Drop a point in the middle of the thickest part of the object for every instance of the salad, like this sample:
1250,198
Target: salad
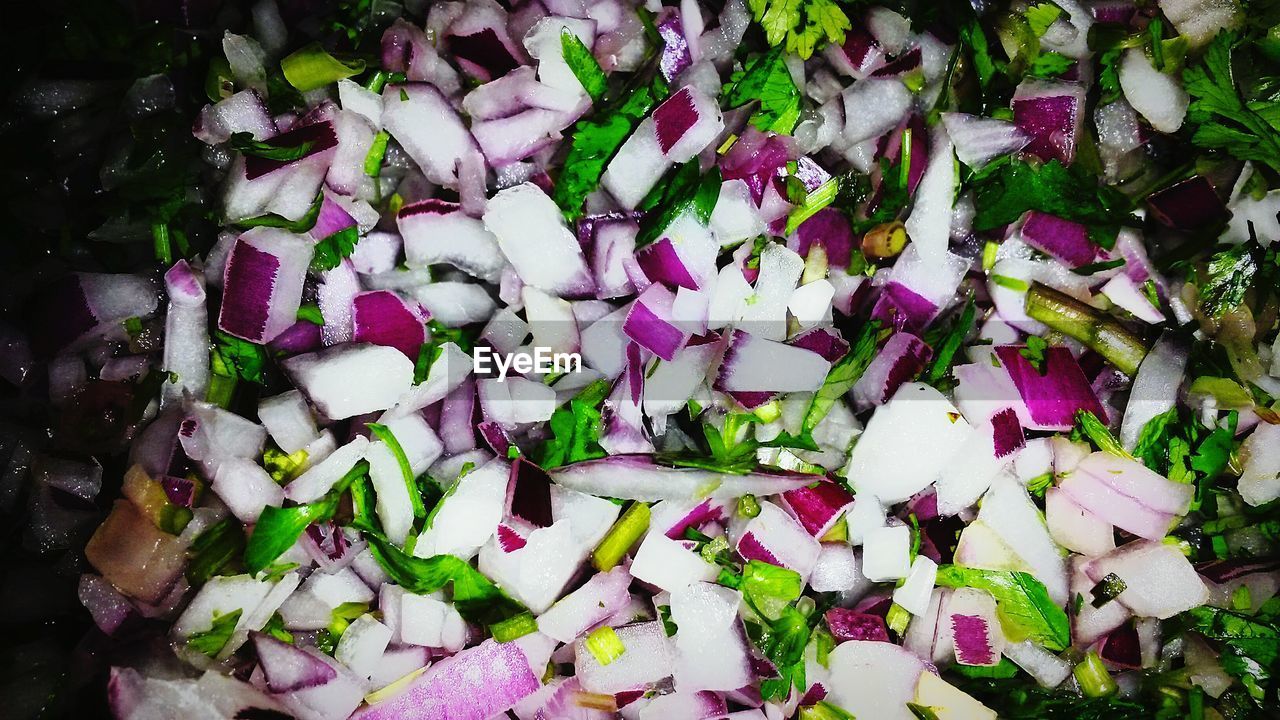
571,360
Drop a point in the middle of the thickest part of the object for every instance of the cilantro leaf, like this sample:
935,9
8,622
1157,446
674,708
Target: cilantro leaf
1252,647
246,145
843,375
783,642
945,350
1041,16
213,549
769,589
477,599
1005,190
767,80
1050,64
687,191
239,359
1034,351
803,25
596,140
279,528
1224,120
211,641
1228,275
576,428
583,65
1026,612
331,251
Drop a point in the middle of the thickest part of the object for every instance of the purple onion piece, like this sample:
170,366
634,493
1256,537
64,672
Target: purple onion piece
382,317
750,548
662,263
673,118
675,47
1190,204
180,491
1121,647
1055,395
1065,240
846,624
823,341
1221,571
901,65
902,308
829,228
818,507
482,54
1007,431
972,639
1052,121
529,493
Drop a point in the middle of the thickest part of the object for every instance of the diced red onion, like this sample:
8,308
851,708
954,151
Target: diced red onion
1051,113
1054,396
899,361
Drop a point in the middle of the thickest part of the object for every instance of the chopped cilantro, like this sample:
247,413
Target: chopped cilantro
1026,612
767,80
1007,189
211,641
583,64
1222,117
331,251
1041,16
213,549
1227,277
1034,351
576,428
475,596
246,145
595,140
803,25
687,191
279,528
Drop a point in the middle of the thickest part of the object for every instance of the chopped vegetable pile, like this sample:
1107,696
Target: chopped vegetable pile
756,359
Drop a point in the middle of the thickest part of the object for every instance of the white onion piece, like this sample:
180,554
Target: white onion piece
1158,97
1260,479
532,234
1200,20
186,333
469,516
351,379
873,679
1155,388
711,653
262,284
1159,580
907,444
424,123
648,659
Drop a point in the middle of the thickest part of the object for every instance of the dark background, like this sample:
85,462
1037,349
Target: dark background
92,164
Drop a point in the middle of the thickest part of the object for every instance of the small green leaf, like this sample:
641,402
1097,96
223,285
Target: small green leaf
583,64
1022,603
331,251
311,68
767,80
211,641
